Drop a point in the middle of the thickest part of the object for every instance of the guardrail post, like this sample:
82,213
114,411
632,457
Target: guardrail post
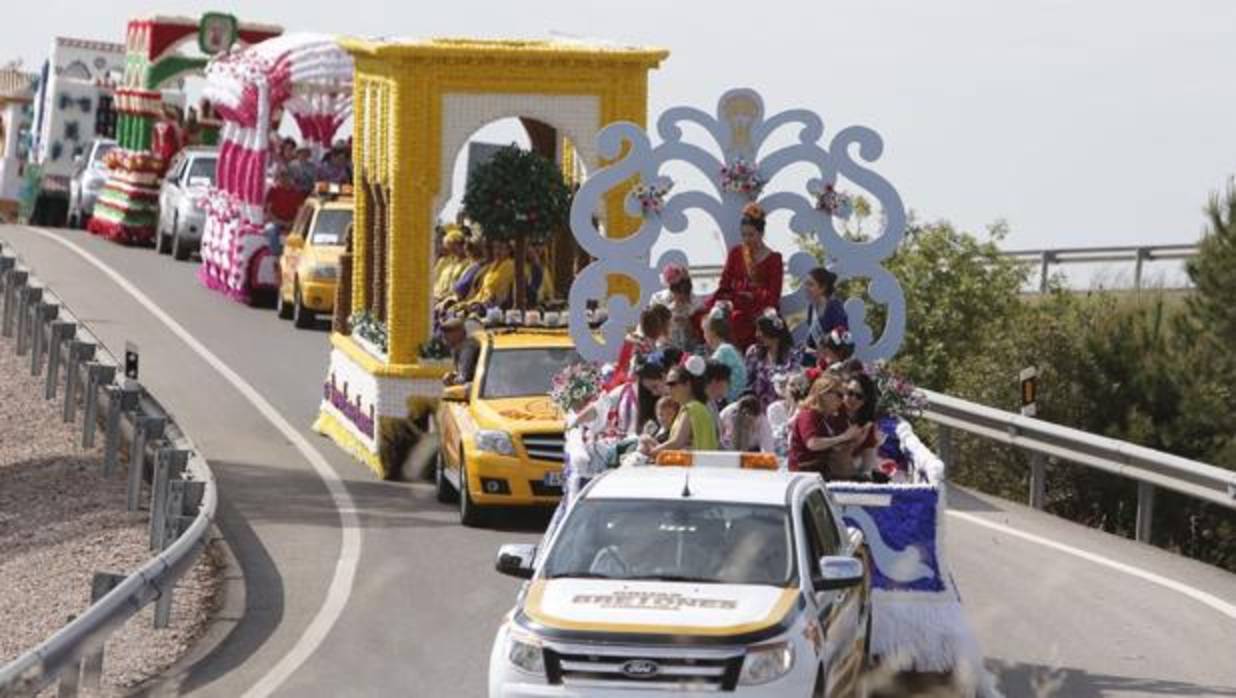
97,376
944,445
1145,511
45,312
183,497
61,332
1038,480
16,278
144,429
120,399
79,351
28,297
169,464
1045,269
69,677
92,665
1142,254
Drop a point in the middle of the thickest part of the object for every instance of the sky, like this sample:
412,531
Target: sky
1080,123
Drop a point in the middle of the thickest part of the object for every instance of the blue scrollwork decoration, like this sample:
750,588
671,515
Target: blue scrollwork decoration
740,131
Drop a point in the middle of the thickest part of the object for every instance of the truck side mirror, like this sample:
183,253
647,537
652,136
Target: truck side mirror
838,572
515,560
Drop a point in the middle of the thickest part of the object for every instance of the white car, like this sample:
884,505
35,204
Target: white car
89,176
661,579
182,197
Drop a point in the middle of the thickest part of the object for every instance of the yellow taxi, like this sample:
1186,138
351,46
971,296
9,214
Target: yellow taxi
309,265
501,436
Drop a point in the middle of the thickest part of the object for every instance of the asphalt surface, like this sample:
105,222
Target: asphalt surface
425,602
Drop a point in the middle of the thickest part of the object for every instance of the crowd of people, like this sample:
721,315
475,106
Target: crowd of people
292,175
725,372
473,274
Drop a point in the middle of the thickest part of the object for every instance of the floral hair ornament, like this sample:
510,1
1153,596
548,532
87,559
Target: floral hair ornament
772,316
753,211
722,309
673,274
841,337
695,365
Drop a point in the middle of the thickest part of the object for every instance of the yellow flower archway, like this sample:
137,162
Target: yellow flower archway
416,104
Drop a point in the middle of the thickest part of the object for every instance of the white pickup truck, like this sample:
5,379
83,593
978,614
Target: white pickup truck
738,580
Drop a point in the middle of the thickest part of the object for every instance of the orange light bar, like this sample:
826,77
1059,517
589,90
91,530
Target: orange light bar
682,459
758,461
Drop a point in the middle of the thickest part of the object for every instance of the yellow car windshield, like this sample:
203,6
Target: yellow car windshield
524,372
330,227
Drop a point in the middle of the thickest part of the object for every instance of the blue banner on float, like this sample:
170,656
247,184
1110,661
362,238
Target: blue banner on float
901,526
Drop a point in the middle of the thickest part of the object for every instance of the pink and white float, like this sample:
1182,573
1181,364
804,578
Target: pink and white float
307,76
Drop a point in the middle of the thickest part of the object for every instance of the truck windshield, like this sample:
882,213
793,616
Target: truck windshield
524,372
330,225
675,540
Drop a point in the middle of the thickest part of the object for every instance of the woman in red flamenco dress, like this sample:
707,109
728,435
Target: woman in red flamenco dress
751,280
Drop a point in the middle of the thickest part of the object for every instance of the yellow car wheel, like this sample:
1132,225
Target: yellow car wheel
282,307
443,490
302,317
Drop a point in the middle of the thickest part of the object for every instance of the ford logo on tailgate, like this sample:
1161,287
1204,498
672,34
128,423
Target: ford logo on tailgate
641,669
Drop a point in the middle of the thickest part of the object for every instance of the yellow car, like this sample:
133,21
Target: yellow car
309,265
501,436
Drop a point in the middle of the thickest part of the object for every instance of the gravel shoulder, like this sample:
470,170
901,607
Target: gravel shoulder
60,522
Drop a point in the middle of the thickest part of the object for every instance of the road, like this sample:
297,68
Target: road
418,617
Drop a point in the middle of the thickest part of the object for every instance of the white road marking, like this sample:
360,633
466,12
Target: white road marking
350,546
1198,595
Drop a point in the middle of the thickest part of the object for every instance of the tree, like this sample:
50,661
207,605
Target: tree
518,196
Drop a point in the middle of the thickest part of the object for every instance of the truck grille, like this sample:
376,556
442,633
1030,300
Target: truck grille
676,669
546,447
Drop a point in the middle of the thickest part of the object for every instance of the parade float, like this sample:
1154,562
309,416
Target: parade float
417,104
155,59
74,105
306,76
919,624
16,94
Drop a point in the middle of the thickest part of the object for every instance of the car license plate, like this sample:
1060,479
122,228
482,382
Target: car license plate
553,479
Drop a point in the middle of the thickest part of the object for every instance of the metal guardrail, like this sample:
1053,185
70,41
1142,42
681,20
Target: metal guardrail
707,274
1138,254
1150,468
183,497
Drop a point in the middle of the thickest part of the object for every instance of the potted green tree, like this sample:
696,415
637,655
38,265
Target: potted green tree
520,197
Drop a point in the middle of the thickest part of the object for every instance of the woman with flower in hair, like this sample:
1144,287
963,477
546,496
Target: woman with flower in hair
685,308
751,280
772,353
695,427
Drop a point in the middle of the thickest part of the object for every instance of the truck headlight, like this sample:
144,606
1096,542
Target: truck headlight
495,442
524,653
765,663
323,272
